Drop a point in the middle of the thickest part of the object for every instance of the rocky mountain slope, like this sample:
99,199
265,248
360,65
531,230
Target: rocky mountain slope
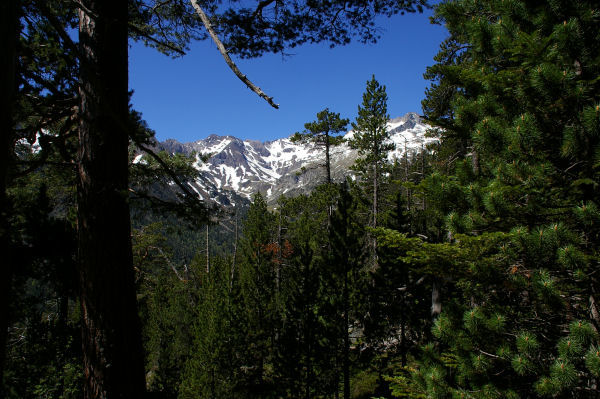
239,168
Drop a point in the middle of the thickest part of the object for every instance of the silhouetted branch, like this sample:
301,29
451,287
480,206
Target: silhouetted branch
228,59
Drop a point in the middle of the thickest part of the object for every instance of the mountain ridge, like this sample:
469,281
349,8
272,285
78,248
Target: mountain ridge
239,168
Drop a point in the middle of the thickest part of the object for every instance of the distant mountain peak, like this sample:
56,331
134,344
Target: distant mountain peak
240,168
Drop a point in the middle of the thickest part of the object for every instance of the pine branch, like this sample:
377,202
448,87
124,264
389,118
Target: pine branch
188,194
156,41
58,27
166,258
228,60
260,7
159,5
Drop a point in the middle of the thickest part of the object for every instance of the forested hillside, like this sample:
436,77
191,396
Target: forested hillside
466,270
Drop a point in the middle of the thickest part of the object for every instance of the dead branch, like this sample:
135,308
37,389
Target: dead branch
228,60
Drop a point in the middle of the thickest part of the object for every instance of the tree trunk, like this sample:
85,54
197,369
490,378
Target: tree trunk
375,209
423,172
207,253
346,364
111,334
436,301
475,162
375,186
408,192
594,313
279,257
233,263
307,293
327,160
9,34
403,335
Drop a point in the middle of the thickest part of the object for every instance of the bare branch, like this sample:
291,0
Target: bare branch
489,354
166,258
154,40
228,60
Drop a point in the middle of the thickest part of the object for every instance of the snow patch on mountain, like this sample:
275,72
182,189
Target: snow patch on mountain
243,167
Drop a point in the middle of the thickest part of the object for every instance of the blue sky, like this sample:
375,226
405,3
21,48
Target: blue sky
197,95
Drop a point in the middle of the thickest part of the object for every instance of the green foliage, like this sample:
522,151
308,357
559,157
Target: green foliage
512,104
592,361
43,356
369,131
323,133
252,31
212,367
165,300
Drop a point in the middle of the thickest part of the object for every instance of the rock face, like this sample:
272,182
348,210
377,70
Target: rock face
238,168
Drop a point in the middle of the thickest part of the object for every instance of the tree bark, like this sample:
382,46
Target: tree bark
408,192
475,162
233,263
207,252
346,364
327,160
111,334
594,313
375,186
346,356
436,300
9,34
375,209
308,335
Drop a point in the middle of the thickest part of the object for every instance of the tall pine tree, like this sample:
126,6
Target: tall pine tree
371,139
515,94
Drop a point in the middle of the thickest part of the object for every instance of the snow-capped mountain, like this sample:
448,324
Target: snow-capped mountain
240,168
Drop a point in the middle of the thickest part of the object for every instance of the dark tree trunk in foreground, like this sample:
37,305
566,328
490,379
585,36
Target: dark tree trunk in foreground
112,349
9,25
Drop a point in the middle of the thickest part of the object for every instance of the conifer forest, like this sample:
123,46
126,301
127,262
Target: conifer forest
470,269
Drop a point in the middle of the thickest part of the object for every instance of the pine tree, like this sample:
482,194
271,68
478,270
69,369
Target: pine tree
393,302
347,258
33,68
323,132
213,365
308,348
259,295
9,20
515,92
370,137
43,312
300,346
